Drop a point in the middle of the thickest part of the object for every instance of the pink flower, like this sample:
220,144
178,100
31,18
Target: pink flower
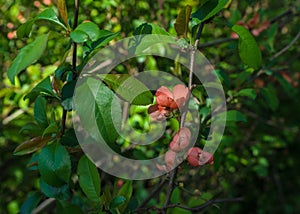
168,101
198,157
170,158
175,100
181,140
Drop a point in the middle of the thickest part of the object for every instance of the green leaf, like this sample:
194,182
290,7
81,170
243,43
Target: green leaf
182,21
59,192
27,56
148,28
126,191
31,146
270,98
232,116
84,32
69,138
247,92
67,95
175,198
117,201
94,99
25,29
248,49
129,88
89,179
55,165
47,15
235,116
67,207
42,88
105,36
40,111
51,129
31,128
32,200
209,9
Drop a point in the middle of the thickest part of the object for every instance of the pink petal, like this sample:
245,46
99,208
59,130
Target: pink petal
180,91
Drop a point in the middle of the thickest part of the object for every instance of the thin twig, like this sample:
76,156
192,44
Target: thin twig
215,42
48,202
286,48
153,193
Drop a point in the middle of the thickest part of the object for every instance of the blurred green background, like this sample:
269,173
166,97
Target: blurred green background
257,159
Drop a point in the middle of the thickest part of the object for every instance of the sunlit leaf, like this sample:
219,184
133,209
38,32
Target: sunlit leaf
248,49
85,31
209,9
129,88
27,56
47,15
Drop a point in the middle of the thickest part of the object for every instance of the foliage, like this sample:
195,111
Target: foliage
253,46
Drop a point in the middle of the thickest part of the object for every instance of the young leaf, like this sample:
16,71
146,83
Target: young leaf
62,8
126,191
55,165
182,21
129,88
248,49
32,200
89,179
27,55
209,9
40,113
31,145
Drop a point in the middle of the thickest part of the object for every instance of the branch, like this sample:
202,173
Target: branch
193,209
74,72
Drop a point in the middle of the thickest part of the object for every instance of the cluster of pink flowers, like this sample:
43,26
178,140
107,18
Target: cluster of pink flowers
167,102
254,25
